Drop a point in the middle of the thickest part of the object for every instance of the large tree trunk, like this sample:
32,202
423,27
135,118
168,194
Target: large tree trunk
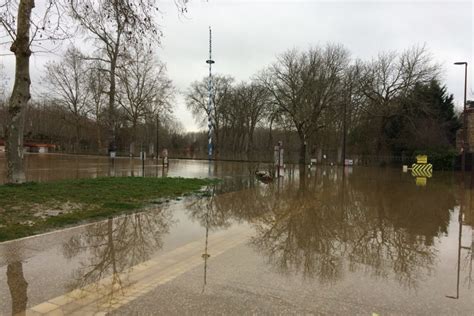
302,160
111,110
78,135
99,141
249,144
20,95
303,153
133,137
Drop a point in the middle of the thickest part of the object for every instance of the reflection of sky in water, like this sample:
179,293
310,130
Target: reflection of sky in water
367,232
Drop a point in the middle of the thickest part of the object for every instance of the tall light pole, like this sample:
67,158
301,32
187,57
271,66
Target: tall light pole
464,141
209,104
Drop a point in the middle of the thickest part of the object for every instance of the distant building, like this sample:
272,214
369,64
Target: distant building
39,148
470,131
32,147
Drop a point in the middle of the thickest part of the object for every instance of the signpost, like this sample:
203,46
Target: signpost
112,154
164,154
278,159
143,158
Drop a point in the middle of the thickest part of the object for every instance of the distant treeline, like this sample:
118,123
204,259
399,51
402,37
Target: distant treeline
315,101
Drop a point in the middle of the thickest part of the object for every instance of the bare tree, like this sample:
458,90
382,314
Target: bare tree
304,85
97,86
112,24
68,83
248,107
144,89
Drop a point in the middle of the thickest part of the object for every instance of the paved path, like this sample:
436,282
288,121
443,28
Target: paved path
117,290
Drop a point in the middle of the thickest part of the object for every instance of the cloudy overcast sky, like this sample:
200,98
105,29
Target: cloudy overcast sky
248,35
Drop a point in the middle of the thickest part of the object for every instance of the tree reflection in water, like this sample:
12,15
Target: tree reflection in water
112,247
323,225
17,284
18,287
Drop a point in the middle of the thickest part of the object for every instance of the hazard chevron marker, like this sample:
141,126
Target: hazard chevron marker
426,167
422,170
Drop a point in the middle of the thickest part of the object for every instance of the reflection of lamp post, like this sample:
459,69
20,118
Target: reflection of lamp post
460,246
464,141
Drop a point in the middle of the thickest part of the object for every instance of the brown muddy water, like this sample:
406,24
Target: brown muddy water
50,167
328,241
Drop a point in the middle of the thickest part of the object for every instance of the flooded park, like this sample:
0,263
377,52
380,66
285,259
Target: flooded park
236,157
322,240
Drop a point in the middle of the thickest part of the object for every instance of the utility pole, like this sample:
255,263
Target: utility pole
344,132
209,103
157,137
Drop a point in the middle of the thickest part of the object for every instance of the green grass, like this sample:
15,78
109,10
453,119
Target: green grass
81,201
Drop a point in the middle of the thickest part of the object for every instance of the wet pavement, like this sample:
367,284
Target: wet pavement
359,241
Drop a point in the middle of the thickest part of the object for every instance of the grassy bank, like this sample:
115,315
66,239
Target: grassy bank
33,208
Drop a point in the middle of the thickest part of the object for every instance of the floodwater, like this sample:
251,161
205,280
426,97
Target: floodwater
327,241
50,167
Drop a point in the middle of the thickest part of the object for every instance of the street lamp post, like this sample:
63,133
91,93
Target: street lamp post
464,141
